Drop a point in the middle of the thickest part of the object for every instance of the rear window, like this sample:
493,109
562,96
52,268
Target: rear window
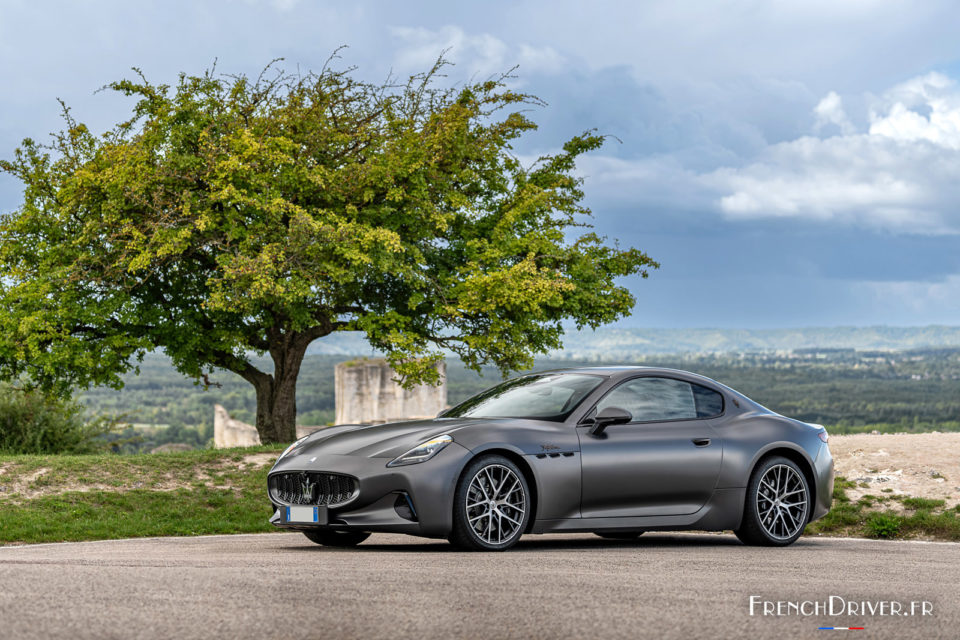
709,403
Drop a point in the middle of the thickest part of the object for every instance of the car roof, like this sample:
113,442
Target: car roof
617,371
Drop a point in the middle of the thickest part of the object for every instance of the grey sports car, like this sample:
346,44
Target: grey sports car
611,450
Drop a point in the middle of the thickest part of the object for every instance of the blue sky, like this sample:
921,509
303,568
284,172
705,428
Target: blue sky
788,163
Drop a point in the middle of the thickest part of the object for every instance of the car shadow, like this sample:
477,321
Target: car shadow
540,543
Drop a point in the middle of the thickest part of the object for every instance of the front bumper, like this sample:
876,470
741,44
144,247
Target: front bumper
428,488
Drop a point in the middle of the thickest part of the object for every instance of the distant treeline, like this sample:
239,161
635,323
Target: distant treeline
615,343
844,389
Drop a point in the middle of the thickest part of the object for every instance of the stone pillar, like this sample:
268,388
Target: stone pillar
367,394
228,432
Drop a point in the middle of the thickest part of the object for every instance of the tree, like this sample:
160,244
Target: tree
230,216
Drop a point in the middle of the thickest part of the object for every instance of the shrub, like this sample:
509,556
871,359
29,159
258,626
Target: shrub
883,525
32,422
922,503
943,526
841,517
840,486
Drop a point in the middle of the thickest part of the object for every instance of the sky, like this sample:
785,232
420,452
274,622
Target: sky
789,164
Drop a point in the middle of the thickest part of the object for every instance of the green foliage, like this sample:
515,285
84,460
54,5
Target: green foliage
843,518
231,215
840,486
883,525
32,422
921,503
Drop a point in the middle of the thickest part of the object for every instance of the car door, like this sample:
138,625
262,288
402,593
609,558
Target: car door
664,462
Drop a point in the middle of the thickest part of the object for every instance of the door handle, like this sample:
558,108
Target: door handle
701,442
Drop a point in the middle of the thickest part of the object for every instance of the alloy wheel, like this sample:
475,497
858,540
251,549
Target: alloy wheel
782,502
495,504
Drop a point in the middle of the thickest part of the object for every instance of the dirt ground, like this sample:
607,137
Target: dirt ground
922,465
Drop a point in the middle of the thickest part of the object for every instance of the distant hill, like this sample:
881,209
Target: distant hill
619,343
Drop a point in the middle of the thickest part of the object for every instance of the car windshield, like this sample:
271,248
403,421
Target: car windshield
547,396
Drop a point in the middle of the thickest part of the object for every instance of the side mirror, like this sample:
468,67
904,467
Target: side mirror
608,417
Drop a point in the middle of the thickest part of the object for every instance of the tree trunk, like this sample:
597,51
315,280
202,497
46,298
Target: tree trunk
277,393
277,410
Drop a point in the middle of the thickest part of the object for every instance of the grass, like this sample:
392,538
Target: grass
871,517
69,498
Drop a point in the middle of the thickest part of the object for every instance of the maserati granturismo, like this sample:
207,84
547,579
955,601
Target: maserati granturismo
615,451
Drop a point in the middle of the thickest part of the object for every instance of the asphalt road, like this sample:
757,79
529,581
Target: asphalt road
571,586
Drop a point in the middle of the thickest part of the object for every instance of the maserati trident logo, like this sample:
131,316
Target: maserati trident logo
306,487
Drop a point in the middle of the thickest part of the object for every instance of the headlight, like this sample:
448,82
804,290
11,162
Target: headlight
422,452
291,447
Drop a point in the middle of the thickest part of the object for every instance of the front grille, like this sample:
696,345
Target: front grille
312,487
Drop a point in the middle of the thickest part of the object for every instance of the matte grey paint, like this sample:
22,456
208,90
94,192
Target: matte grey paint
685,474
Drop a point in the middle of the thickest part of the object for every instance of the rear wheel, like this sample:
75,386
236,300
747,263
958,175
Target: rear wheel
619,535
491,506
778,504
337,538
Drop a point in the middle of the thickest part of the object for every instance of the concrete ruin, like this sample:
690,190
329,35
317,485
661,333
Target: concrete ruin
366,393
228,432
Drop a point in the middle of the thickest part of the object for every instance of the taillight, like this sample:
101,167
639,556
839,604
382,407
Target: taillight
823,435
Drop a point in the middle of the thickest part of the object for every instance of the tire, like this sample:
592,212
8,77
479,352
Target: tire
777,506
619,535
491,506
330,538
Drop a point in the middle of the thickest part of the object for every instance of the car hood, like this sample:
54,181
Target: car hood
380,440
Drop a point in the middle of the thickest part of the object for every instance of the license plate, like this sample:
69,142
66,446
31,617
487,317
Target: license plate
306,515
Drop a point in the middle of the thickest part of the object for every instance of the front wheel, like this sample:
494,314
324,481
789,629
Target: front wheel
491,506
778,504
330,538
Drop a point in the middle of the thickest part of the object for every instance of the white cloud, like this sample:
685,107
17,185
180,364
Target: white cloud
479,55
830,111
935,94
900,175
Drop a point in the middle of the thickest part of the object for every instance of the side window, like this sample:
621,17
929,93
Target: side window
655,399
709,402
